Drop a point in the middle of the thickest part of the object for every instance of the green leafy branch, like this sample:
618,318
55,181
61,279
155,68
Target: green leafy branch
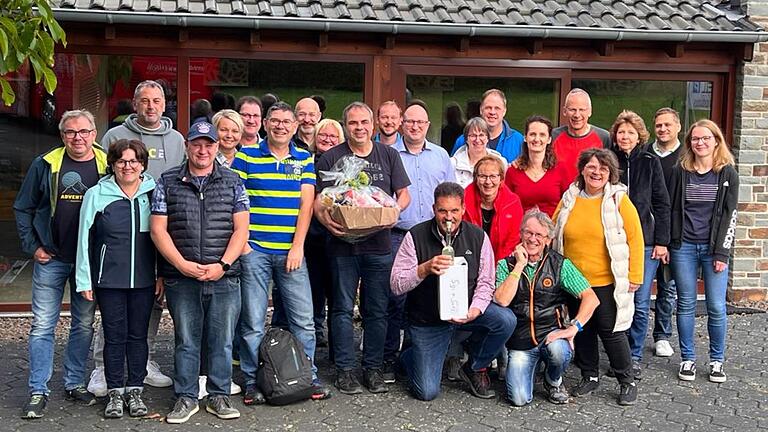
28,31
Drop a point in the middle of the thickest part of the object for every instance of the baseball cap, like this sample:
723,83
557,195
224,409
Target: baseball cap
202,129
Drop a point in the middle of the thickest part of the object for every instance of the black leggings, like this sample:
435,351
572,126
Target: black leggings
587,354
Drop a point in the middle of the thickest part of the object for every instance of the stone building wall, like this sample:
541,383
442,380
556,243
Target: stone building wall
750,261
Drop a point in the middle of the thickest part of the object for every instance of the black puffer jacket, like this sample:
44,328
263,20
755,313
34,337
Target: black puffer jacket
641,172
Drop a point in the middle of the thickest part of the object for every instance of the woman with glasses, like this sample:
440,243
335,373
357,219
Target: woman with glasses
642,174
704,192
535,176
116,265
229,128
476,136
598,229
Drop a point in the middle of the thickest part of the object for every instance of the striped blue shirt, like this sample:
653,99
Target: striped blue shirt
274,192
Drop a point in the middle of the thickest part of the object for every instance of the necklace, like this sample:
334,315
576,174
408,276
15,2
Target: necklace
482,215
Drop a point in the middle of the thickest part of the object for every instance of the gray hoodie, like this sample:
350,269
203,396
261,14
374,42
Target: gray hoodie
165,145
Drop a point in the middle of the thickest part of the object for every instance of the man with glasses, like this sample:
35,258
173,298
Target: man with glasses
249,108
366,263
503,138
577,135
307,115
280,180
427,165
47,210
165,147
389,118
415,273
543,332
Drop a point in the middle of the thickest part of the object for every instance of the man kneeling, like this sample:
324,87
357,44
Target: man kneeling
534,283
416,271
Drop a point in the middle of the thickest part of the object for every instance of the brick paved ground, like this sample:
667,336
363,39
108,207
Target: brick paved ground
665,404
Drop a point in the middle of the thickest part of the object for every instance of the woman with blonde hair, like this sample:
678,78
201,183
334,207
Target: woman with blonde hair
328,134
229,128
705,193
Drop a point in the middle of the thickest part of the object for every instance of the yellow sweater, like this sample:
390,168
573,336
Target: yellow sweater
584,241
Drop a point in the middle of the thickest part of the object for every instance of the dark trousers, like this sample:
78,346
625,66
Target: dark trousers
125,317
587,355
318,266
395,309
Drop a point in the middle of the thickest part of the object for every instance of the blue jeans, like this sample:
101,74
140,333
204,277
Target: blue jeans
198,308
639,328
395,310
423,359
521,369
296,297
686,262
666,298
372,271
48,281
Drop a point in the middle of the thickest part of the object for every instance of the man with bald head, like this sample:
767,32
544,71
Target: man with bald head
577,135
427,165
307,114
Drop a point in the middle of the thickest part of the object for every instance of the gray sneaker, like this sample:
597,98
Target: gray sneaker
136,406
183,409
114,408
221,407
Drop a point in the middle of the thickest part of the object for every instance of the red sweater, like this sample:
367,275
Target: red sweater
507,216
544,193
567,149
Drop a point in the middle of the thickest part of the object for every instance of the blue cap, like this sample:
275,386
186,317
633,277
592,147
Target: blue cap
202,129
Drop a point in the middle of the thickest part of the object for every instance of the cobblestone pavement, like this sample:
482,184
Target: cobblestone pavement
665,403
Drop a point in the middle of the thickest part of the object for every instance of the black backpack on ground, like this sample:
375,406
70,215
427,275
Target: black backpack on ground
285,372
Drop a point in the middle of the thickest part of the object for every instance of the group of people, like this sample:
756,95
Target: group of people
563,231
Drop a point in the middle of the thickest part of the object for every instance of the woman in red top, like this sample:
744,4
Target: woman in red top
535,176
492,206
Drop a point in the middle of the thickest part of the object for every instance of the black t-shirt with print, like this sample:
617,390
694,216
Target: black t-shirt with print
74,179
386,171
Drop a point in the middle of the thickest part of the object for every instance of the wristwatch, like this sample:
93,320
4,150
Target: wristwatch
575,322
224,266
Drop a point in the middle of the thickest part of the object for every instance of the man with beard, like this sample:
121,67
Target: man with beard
389,118
307,114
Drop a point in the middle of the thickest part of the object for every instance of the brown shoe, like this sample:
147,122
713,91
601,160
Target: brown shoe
478,381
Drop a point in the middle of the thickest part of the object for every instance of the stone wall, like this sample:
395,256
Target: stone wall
750,134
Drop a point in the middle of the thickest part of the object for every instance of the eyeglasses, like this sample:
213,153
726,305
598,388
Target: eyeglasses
122,163
493,177
419,123
537,236
600,169
70,133
277,122
329,137
477,136
250,116
703,140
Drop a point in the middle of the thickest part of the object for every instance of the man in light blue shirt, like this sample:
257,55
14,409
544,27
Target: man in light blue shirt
427,165
389,117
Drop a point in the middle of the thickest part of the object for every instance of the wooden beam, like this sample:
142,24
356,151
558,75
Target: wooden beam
322,41
256,38
605,48
675,50
389,42
748,52
463,45
109,32
183,35
535,46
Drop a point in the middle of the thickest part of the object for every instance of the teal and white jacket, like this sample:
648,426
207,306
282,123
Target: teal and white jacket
114,246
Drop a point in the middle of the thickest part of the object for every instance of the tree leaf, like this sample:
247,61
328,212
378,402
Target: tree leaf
50,80
57,33
8,95
3,44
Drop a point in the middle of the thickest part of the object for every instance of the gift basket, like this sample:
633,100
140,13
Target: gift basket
361,208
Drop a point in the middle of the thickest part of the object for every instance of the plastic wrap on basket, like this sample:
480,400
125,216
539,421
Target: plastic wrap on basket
361,208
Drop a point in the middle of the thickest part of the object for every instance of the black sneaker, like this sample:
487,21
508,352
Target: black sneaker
34,407
452,368
637,370
716,374
80,395
373,380
347,383
556,394
586,386
628,393
183,409
221,407
388,372
478,381
320,391
253,396
687,370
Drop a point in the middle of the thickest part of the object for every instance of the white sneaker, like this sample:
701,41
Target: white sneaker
98,383
202,380
155,378
234,389
662,348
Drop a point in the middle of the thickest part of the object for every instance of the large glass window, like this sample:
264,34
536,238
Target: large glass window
692,99
447,96
101,84
219,80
